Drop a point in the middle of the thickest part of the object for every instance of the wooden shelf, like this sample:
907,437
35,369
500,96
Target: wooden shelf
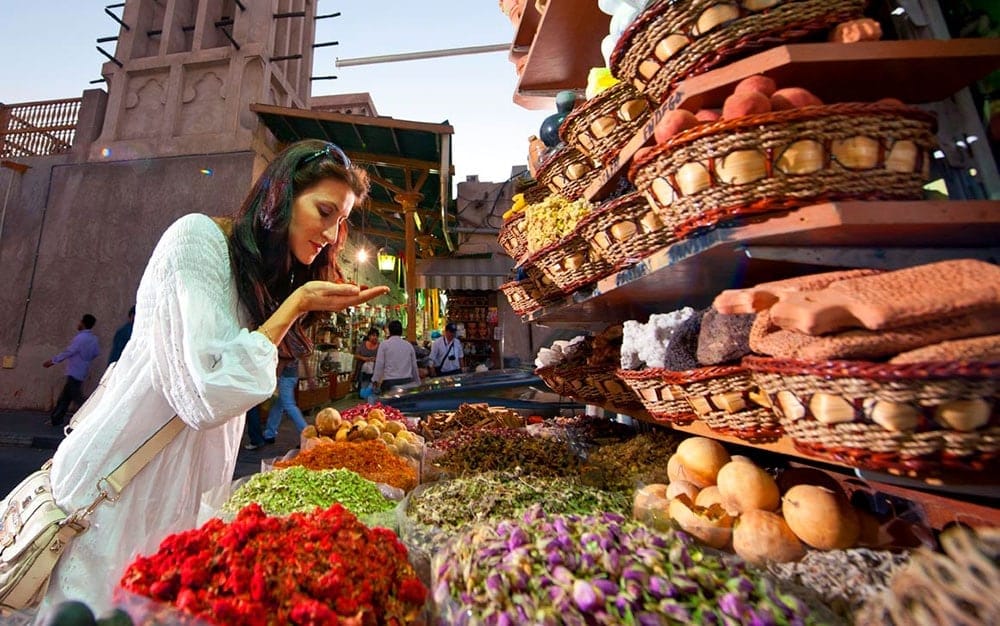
524,34
565,46
840,234
912,71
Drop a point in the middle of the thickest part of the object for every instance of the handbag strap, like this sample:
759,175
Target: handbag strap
111,486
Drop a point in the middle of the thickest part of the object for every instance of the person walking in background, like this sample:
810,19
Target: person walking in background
395,361
255,432
365,357
122,335
285,403
78,355
446,353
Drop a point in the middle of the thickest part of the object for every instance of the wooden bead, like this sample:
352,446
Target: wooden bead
963,415
903,157
790,405
741,166
894,416
831,409
693,177
670,45
802,157
715,16
856,153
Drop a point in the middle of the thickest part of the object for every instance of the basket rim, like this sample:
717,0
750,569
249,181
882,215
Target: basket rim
675,377
871,370
750,122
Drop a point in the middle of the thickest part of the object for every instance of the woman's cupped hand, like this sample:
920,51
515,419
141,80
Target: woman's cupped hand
319,295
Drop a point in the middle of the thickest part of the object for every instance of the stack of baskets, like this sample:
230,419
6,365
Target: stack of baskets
782,160
916,419
676,39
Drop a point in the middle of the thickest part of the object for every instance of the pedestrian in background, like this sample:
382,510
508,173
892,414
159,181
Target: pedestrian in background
446,353
285,403
78,355
365,357
122,335
395,361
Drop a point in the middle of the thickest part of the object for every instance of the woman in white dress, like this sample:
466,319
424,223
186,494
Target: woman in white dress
218,301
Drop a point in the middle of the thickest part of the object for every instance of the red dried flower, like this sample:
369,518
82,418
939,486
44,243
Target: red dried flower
320,568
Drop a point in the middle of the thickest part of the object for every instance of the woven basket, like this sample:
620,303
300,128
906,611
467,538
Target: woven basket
524,296
513,236
571,263
602,125
567,172
554,377
625,230
594,384
676,39
536,193
755,164
912,419
727,399
664,402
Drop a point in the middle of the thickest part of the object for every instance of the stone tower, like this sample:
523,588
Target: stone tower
184,73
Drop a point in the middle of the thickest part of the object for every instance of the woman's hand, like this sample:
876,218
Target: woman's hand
319,295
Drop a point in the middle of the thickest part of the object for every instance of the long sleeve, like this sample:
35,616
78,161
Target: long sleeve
413,366
73,348
208,367
378,375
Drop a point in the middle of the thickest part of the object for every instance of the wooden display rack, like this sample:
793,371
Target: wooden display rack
563,44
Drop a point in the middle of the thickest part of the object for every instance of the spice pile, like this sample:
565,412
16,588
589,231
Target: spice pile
316,568
600,569
371,459
640,460
297,489
472,452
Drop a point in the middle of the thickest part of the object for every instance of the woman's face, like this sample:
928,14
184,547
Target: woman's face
317,214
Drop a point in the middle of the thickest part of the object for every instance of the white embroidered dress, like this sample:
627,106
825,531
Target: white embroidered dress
190,354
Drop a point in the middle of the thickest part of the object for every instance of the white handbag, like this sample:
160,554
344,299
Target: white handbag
34,530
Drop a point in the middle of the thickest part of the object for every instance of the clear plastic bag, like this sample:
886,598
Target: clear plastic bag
148,612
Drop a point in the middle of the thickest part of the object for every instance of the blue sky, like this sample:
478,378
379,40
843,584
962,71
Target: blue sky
48,48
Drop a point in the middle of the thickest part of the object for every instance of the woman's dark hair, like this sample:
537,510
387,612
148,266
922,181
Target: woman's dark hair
373,332
266,270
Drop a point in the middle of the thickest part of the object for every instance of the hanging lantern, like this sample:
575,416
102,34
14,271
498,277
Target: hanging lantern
386,259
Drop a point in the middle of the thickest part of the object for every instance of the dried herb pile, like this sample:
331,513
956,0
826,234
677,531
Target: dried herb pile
297,489
623,466
473,452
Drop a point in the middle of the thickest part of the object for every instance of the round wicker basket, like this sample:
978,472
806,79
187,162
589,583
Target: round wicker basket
676,39
625,230
720,171
916,419
601,126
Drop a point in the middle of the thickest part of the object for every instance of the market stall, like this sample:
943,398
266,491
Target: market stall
791,364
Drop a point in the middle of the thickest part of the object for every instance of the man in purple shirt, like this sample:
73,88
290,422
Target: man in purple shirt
81,351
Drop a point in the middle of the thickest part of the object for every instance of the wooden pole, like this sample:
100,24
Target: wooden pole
409,200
